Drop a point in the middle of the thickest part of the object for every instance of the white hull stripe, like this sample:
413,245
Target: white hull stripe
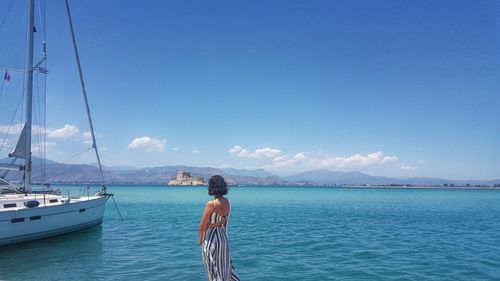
51,214
50,233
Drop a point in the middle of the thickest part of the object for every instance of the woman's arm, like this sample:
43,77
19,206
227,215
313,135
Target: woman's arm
226,224
204,221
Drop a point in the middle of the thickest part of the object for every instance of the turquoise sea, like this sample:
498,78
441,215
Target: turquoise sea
279,233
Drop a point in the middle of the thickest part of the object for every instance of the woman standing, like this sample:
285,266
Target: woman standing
212,233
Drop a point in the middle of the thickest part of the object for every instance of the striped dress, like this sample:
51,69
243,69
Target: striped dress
216,251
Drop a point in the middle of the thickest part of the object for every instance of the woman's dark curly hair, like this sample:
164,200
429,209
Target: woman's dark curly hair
217,186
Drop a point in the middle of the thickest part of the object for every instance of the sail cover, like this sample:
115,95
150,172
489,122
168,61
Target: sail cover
20,151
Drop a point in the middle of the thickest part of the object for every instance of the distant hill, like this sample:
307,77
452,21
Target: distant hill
259,173
335,177
88,173
34,159
163,174
117,168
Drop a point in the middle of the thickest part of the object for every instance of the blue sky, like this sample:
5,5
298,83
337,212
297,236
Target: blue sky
396,88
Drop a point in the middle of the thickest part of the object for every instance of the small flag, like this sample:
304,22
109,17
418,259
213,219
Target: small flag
6,76
42,70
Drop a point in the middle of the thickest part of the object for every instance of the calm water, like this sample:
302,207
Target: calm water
280,233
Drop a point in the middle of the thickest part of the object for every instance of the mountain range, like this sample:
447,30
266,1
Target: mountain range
88,173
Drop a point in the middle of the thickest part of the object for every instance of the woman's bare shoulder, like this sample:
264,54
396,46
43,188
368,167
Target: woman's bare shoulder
210,205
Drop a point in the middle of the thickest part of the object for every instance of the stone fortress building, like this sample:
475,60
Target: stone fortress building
185,178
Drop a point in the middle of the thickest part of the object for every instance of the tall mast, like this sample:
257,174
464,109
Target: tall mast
84,92
28,87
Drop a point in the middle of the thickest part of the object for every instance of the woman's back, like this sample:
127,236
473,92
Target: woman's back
222,206
220,212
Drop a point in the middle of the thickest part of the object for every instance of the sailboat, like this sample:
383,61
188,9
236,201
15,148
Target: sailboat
26,214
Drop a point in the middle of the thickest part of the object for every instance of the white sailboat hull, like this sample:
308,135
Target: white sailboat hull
27,224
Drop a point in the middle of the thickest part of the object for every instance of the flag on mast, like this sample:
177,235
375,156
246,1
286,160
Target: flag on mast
42,70
6,76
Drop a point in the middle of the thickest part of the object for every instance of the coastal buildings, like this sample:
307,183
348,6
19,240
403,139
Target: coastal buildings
185,178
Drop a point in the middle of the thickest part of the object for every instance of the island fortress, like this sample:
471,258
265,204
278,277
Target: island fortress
185,178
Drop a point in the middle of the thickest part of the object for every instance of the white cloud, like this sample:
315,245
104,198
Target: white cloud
148,144
403,167
17,128
265,152
283,162
195,151
175,149
408,168
315,160
279,159
244,153
299,156
65,132
235,149
87,137
388,159
14,129
354,161
37,147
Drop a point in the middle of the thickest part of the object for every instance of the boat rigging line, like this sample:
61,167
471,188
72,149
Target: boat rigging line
87,108
84,92
11,122
116,205
6,14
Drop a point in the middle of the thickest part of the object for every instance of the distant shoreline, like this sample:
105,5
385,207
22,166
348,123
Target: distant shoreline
296,185
87,174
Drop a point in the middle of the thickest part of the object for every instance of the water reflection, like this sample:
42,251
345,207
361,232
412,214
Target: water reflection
38,258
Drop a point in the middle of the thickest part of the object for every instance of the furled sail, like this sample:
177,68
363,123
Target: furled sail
20,151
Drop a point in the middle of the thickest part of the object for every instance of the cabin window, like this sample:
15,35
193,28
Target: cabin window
53,200
17,220
82,210
10,205
34,218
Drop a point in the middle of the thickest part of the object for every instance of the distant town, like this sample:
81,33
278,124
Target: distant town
395,185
